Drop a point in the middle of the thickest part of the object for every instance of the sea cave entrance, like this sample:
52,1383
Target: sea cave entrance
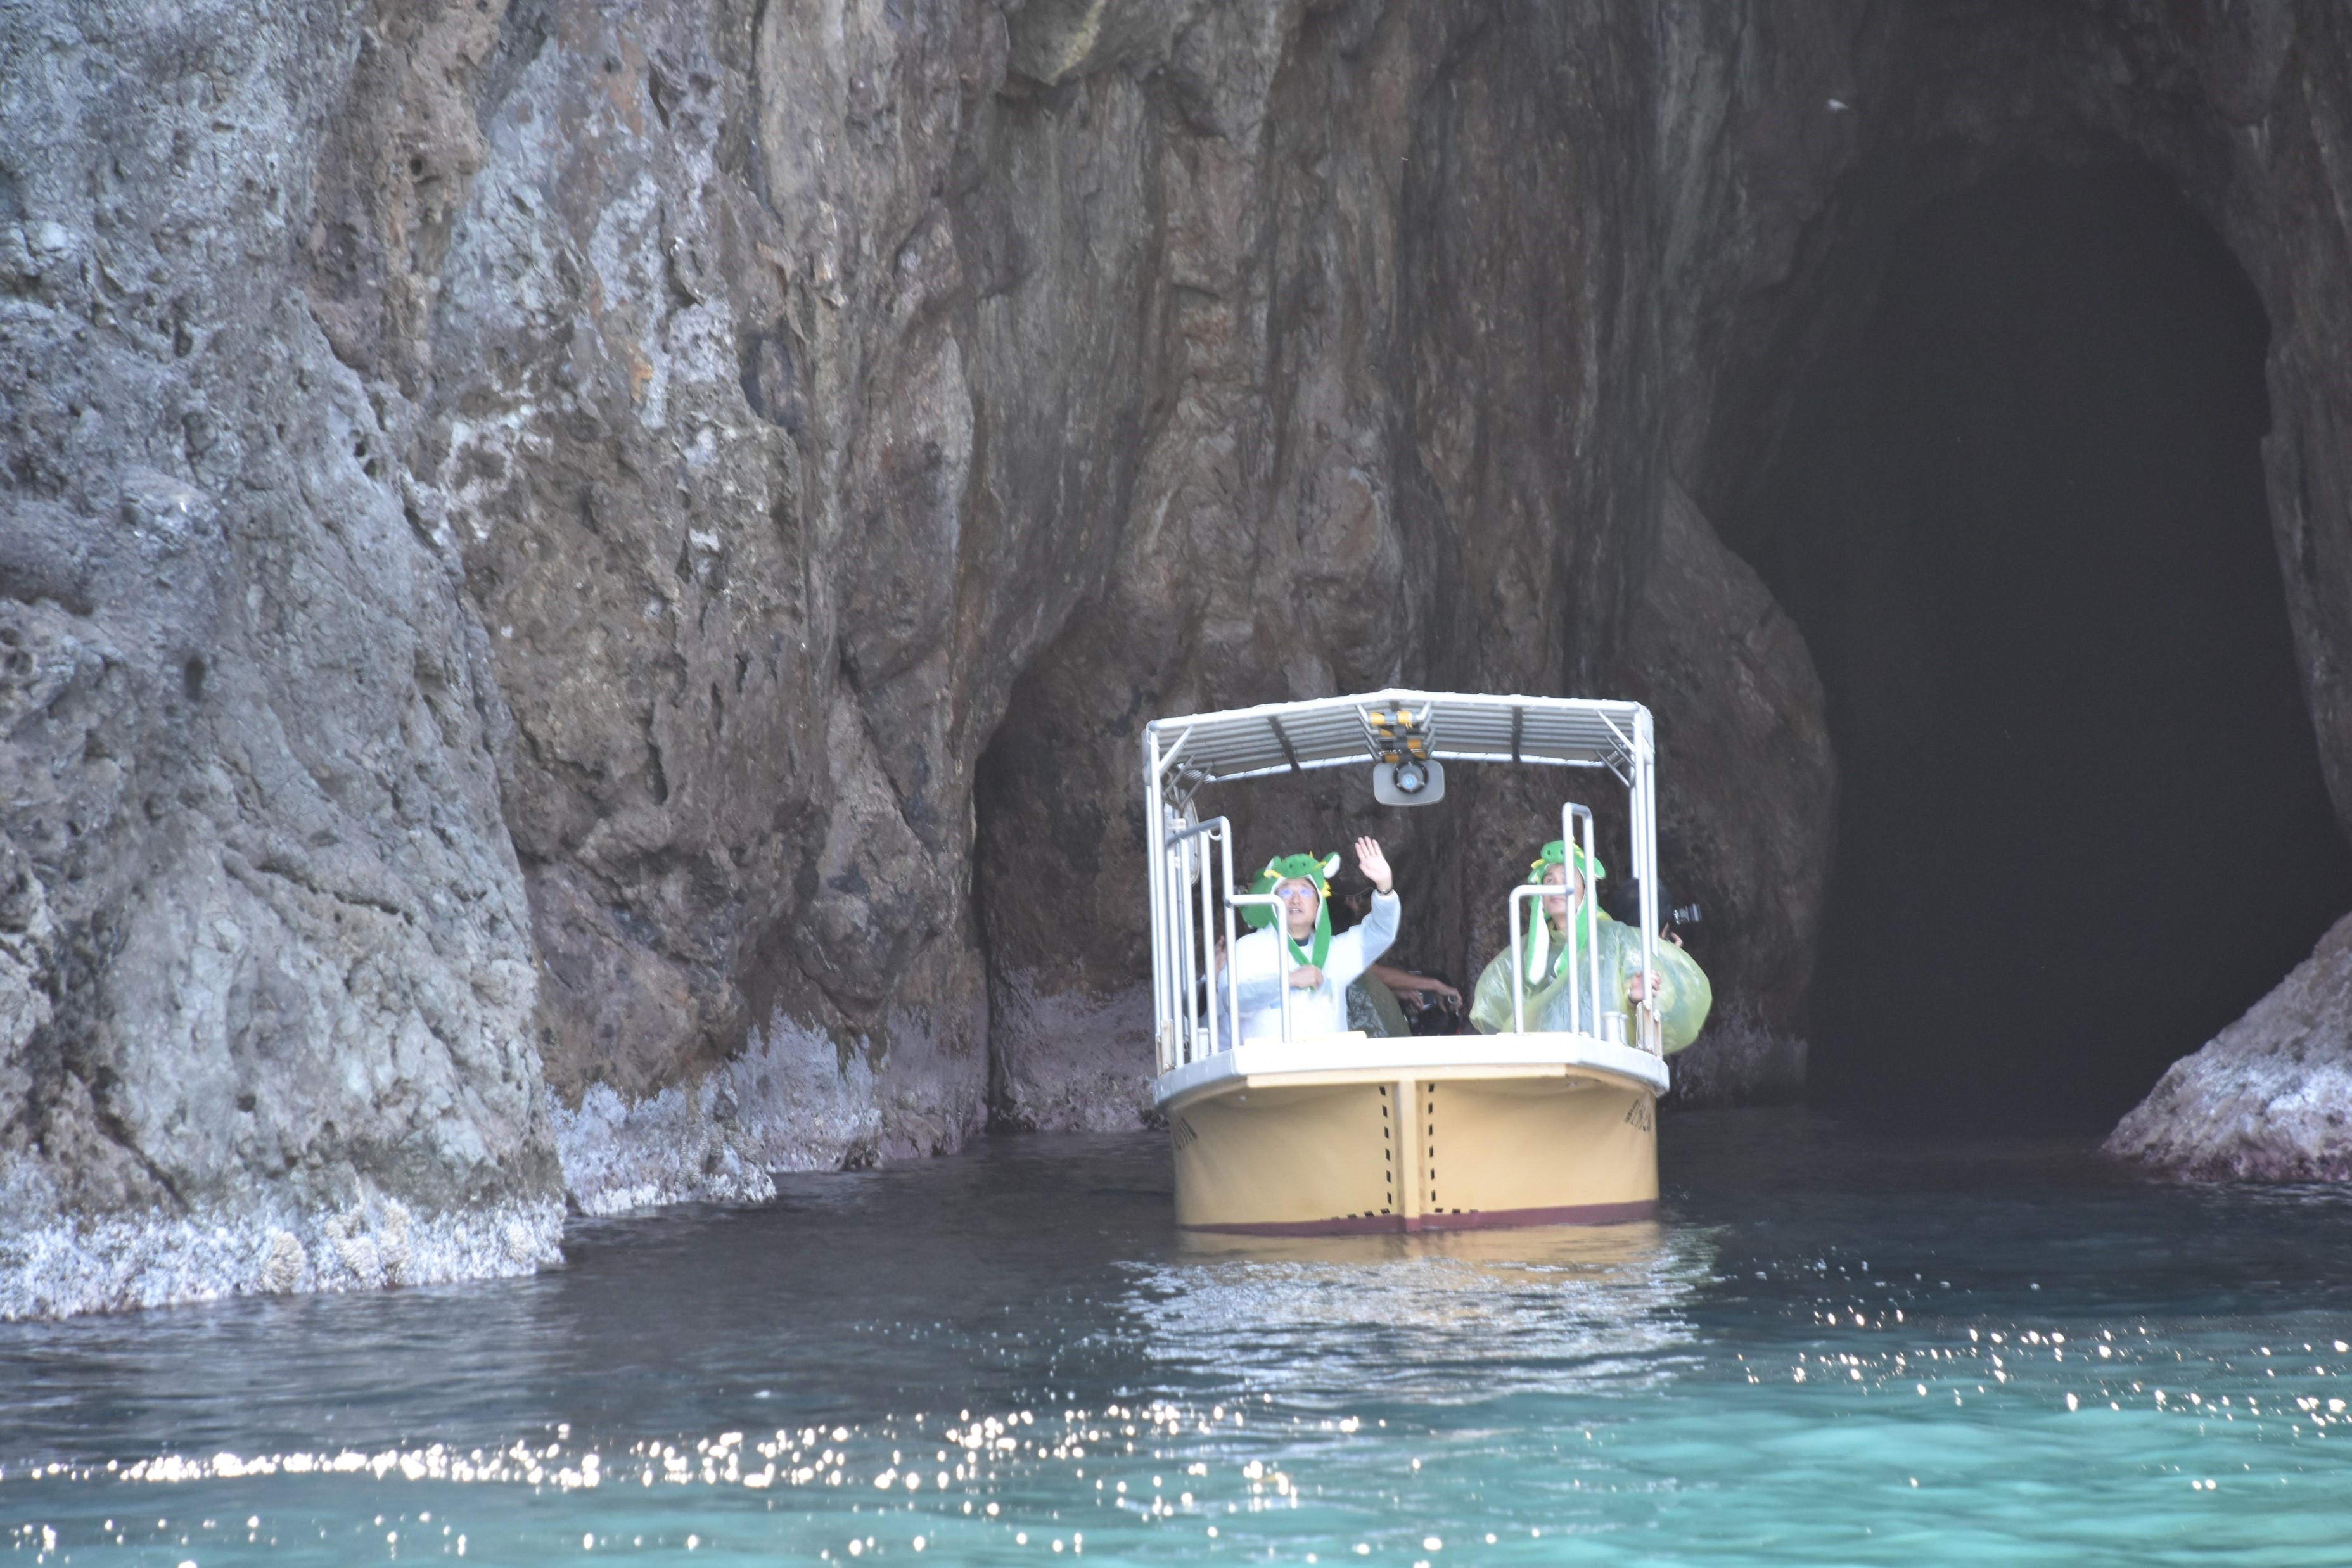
2020,514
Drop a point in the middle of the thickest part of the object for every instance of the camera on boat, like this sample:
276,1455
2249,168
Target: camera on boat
1624,903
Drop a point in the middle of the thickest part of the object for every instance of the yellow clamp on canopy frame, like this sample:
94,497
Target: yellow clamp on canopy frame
1397,734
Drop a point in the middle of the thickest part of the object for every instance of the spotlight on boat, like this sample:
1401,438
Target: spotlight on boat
1411,782
1404,774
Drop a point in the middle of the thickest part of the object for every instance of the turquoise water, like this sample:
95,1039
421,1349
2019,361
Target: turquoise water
1829,1351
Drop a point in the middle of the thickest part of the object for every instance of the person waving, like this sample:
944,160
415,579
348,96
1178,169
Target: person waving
1321,965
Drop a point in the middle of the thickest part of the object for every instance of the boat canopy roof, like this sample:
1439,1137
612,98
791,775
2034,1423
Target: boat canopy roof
1193,749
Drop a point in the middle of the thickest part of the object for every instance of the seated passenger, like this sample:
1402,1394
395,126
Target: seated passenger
1373,1008
1428,987
1558,967
1321,966
1378,1002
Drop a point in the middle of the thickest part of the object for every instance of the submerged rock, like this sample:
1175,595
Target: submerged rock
2270,1097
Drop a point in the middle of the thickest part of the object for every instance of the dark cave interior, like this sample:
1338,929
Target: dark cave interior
2019,516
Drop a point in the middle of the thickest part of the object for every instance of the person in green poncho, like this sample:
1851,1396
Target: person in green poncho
1558,967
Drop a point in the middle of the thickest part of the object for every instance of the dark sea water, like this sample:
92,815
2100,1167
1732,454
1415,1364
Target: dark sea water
1831,1349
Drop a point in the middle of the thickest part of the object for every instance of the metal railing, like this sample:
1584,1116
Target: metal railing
1184,927
1187,1023
1611,1023
1570,814
1201,858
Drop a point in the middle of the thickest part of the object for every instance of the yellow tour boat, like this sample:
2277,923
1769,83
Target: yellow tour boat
1332,1133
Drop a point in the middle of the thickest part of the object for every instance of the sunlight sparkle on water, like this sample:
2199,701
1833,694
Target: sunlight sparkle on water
1735,1385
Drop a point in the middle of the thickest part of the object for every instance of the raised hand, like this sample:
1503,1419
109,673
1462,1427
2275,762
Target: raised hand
1374,864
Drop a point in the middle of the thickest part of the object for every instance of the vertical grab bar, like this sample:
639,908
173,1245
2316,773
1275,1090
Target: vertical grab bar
1646,782
1160,1041
1520,894
1209,938
1232,938
1179,871
1570,814
1281,957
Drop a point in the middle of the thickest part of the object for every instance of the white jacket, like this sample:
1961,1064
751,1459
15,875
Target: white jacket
1259,969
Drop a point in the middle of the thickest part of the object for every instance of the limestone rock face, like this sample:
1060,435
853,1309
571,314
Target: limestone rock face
785,379
266,970
2270,1097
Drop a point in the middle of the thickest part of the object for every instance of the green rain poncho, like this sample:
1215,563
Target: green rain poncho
1374,1008
1556,969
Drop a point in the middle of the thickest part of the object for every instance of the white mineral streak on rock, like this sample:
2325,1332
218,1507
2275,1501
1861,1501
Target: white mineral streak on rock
790,1102
357,1257
392,1243
282,1260
2270,1097
107,1264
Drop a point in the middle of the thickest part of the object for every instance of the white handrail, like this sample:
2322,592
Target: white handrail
1528,890
1184,930
1645,779
1180,847
1281,958
1570,812
1589,899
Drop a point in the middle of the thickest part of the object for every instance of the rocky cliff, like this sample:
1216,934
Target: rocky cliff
2270,1097
266,967
578,580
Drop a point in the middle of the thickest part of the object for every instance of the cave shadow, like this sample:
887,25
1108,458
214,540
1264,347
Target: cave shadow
2019,512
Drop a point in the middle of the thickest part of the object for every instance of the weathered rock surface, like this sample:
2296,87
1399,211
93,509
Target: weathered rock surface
1412,439
266,974
578,580
2270,1097
1741,721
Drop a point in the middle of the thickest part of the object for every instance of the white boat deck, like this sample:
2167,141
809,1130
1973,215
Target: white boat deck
1355,1058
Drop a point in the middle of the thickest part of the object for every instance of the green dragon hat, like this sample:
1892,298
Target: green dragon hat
1560,852
1541,966
1289,868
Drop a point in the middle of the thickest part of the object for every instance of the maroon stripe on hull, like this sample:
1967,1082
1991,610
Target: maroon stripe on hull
1490,1219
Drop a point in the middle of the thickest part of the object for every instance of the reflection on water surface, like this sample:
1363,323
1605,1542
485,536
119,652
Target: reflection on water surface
1438,1317
1827,1350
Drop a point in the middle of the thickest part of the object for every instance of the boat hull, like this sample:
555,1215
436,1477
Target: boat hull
1413,1146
